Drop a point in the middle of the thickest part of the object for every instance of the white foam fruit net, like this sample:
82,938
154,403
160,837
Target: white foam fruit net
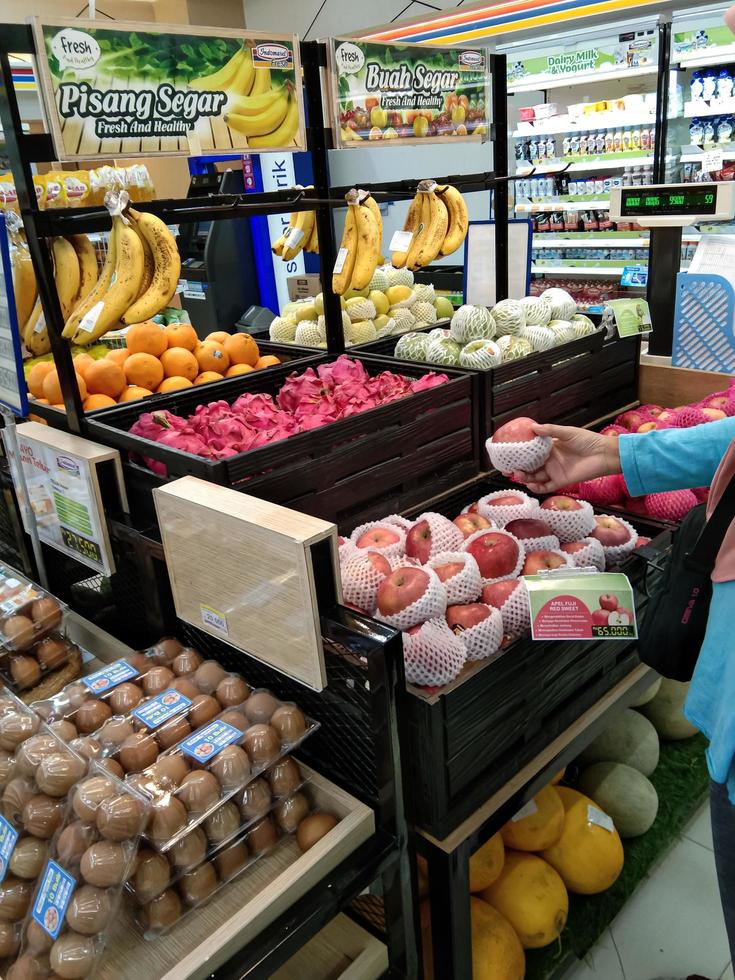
394,550
466,585
503,514
515,612
524,456
615,554
433,655
361,580
547,542
346,549
431,604
562,554
516,571
571,525
592,555
398,520
484,639
445,535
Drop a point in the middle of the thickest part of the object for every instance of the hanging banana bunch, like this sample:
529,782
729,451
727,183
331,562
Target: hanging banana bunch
25,288
359,252
154,292
301,234
438,221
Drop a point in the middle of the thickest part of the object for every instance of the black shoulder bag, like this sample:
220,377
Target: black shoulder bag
675,619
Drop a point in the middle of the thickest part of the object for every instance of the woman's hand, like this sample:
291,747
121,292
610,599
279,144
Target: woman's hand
576,455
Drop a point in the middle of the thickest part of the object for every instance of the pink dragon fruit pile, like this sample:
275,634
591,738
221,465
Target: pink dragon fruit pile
306,401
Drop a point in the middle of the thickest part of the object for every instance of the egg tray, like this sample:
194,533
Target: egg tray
19,597
50,656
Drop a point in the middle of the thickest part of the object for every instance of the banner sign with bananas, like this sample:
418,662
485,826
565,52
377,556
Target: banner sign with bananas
137,89
399,94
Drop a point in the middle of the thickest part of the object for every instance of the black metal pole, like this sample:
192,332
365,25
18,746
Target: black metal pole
498,69
662,103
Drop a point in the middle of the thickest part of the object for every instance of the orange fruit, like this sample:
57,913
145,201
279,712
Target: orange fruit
144,370
98,401
82,363
52,388
173,384
242,349
146,338
37,418
218,337
133,393
118,356
36,375
179,363
61,407
181,335
42,401
268,360
212,357
238,369
104,377
206,376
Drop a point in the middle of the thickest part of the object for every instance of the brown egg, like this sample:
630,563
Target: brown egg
262,744
16,728
25,671
284,777
289,722
73,841
231,766
199,791
7,766
120,817
17,793
186,687
125,697
46,612
140,662
26,967
197,885
89,910
28,756
290,812
65,730
115,731
208,675
112,766
203,709
72,956
186,662
162,912
36,938
151,877
231,860
86,746
90,794
223,823
235,718
190,850
157,680
15,897
173,731
167,817
76,695
260,706
255,800
7,707
103,864
28,857
262,835
92,715
137,752
59,772
232,690
169,770
9,939
52,652
18,632
165,650
313,828
42,815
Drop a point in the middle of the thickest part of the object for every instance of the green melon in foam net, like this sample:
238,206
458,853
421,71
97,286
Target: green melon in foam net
403,319
412,346
481,355
399,277
309,333
443,350
472,323
509,317
582,325
563,331
283,329
513,348
537,310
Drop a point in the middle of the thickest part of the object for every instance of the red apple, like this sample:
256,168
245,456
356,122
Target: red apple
462,618
572,547
517,430
495,553
401,589
507,500
472,508
418,542
654,410
379,561
608,601
622,611
341,540
631,420
497,593
538,560
529,528
378,537
449,570
668,415
470,522
718,401
714,414
561,503
600,617
609,531
641,541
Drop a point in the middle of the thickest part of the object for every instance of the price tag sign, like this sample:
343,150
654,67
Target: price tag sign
632,316
339,262
712,161
634,275
400,241
210,740
589,606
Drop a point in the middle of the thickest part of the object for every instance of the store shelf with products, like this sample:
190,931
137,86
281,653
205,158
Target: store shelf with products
560,124
580,78
569,268
535,207
575,165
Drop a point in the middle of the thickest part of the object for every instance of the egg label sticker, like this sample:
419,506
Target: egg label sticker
208,741
54,895
8,837
164,706
109,677
581,604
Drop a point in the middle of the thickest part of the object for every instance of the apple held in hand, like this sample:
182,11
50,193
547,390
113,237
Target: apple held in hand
470,522
517,430
538,561
609,531
497,553
608,601
516,446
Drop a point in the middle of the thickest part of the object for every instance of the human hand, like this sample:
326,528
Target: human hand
576,455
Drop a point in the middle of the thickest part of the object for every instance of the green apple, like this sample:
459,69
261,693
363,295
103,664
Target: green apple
380,301
443,307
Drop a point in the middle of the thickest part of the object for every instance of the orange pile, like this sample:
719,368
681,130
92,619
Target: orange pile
156,359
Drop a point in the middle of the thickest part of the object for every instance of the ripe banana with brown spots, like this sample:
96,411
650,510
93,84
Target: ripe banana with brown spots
433,238
413,220
342,275
166,271
369,236
458,218
67,275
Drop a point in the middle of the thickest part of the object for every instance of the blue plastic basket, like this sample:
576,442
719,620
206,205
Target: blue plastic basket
704,323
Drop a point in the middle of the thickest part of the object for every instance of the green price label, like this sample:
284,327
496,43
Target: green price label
581,605
88,549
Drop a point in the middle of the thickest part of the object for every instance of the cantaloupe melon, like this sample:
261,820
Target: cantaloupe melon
540,827
648,695
588,857
666,711
629,738
532,897
487,863
497,953
623,793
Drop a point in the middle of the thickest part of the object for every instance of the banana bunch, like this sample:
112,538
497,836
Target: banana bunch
237,75
438,221
301,235
269,120
25,288
359,252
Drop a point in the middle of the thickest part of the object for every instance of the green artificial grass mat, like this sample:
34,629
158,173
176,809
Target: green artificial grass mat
682,782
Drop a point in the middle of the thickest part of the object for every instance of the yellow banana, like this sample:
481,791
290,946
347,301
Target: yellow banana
313,244
284,135
420,231
67,274
458,218
398,259
347,253
88,269
295,242
35,335
220,80
253,105
277,246
265,122
149,264
433,238
244,77
370,202
97,293
368,247
24,284
167,268
262,81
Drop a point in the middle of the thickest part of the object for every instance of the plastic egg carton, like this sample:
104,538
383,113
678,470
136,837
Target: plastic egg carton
31,632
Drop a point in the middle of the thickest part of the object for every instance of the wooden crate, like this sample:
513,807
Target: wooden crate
342,950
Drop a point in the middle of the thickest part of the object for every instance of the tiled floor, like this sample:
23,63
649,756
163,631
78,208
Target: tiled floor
672,926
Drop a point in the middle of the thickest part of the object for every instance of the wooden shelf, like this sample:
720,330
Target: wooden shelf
342,950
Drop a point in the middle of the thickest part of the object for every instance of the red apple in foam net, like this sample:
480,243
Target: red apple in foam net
654,410
496,554
609,531
560,502
600,617
650,426
668,415
608,601
465,617
378,537
401,589
498,592
470,522
472,508
517,430
418,542
642,541
537,561
380,562
449,570
507,500
529,527
572,547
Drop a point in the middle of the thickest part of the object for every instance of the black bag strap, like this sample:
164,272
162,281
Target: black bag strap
709,542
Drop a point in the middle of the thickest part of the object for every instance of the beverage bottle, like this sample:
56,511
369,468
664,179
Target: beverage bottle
566,145
627,140
550,148
520,151
646,139
708,132
574,145
724,85
618,144
583,141
609,141
635,143
723,131
600,143
696,131
697,87
709,85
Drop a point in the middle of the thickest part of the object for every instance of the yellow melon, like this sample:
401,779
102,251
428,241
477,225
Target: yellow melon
486,863
497,953
540,827
532,897
589,857
398,294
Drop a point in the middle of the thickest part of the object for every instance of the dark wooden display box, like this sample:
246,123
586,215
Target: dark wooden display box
390,457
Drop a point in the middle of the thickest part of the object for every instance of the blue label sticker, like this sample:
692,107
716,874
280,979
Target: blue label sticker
210,740
8,837
634,275
52,900
163,707
109,677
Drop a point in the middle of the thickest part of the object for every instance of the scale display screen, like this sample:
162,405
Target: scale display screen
639,202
